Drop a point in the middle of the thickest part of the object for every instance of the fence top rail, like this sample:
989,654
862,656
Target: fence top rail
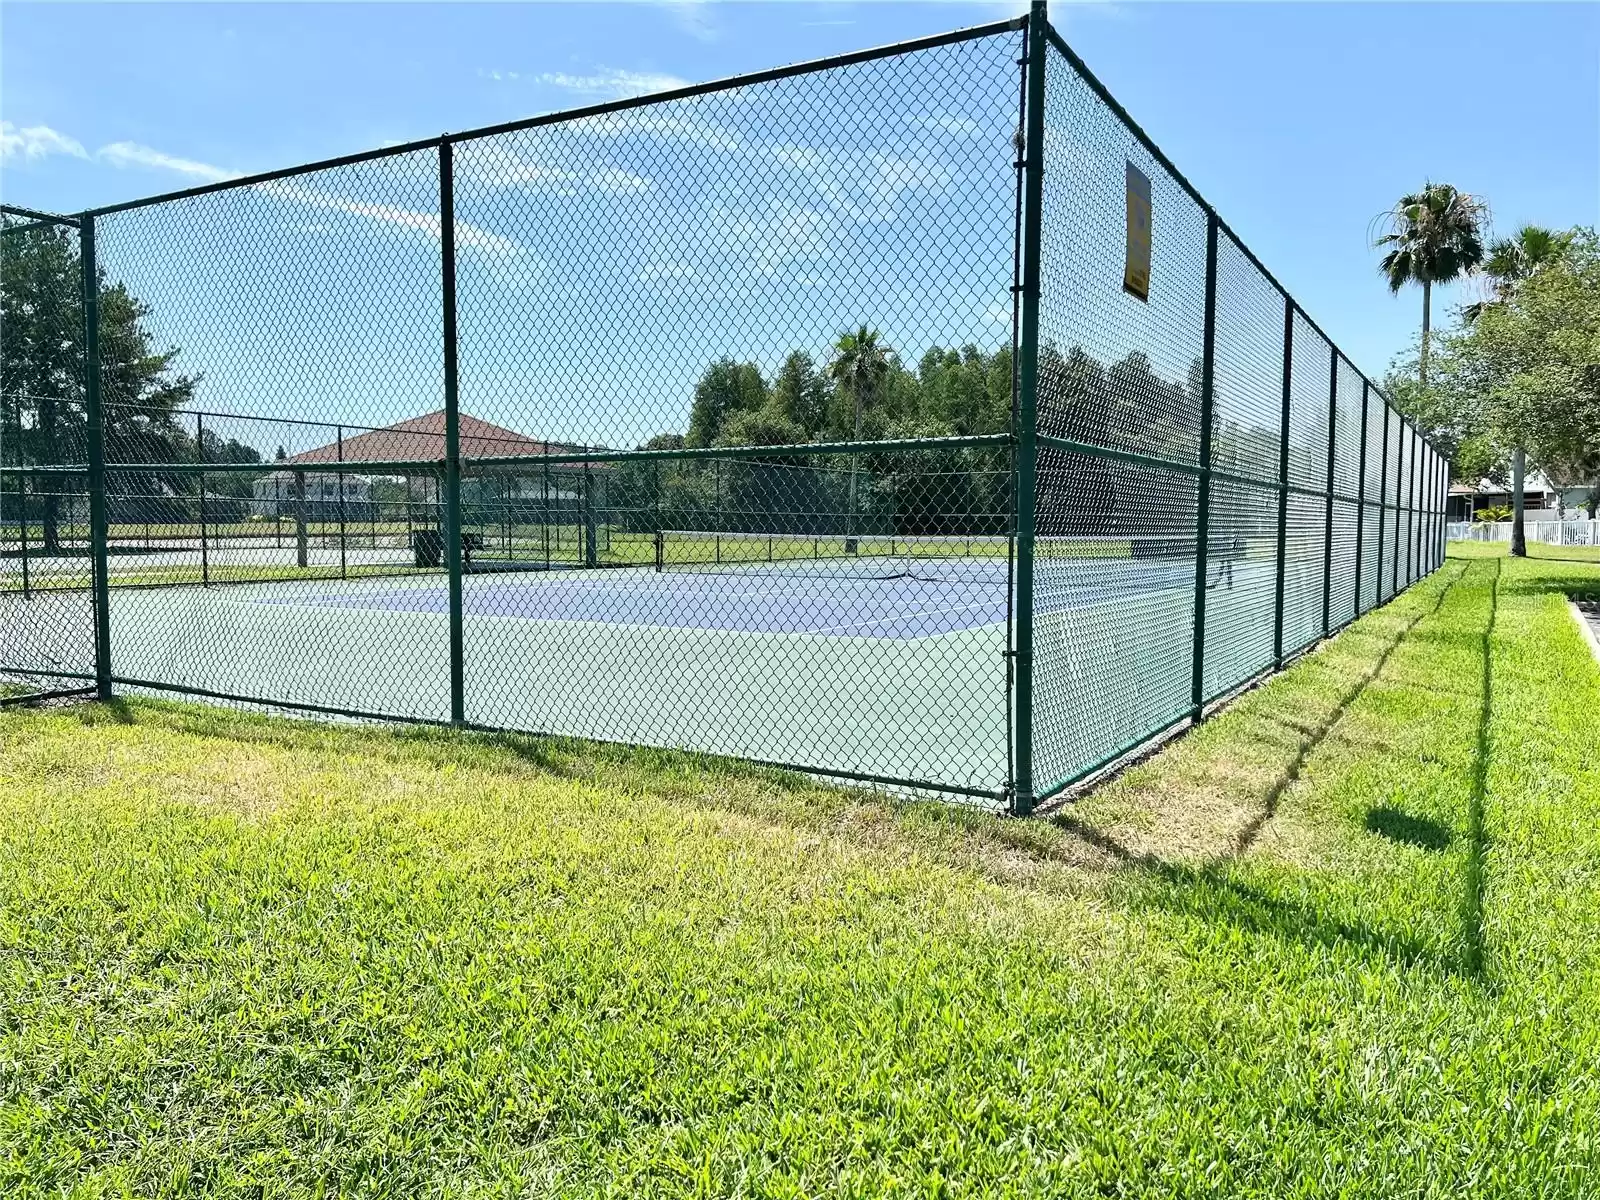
728,83
539,461
37,217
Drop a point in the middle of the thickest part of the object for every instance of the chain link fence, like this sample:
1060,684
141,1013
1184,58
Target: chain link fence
806,418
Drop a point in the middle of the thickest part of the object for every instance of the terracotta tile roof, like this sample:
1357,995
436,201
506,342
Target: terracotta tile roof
422,439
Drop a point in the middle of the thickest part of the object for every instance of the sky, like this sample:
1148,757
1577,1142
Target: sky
1299,122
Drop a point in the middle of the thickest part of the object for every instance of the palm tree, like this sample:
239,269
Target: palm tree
1513,259
861,363
1434,236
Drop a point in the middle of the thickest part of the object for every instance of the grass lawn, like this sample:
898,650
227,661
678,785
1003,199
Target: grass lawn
1342,940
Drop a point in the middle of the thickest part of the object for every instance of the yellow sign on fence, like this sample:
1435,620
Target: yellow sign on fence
1136,269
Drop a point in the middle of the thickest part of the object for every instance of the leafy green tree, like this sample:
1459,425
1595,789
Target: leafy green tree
42,371
1434,236
1530,363
1513,259
800,393
726,388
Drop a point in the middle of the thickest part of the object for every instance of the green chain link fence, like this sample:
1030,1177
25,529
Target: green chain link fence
806,417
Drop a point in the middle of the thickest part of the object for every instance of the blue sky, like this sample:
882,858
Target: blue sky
1300,122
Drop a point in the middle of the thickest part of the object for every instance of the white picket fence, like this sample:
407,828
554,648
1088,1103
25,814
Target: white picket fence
1554,533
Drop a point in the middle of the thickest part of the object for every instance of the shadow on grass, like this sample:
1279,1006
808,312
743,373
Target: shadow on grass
1216,892
1477,841
1319,733
115,711
1398,826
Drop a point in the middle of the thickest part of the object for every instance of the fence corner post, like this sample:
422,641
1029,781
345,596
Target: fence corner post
1027,409
1333,449
452,429
94,417
1202,548
1361,488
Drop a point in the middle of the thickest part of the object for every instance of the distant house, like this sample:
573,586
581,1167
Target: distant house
1540,499
418,440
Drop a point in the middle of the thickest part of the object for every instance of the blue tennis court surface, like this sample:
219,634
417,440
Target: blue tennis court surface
746,603
822,604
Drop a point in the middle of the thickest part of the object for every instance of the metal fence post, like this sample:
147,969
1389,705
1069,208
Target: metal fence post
1361,489
1333,443
1283,479
1399,502
200,450
1383,501
452,430
1197,690
1027,410
1416,492
95,419
344,567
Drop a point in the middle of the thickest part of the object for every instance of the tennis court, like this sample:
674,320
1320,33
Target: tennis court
874,644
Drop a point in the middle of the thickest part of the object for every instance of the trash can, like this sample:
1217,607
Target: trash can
427,547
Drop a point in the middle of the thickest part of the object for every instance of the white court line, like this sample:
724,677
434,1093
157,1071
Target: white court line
285,606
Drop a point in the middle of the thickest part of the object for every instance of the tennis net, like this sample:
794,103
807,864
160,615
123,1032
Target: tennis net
931,558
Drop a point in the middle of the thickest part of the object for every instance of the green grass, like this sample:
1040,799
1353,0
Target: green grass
1342,940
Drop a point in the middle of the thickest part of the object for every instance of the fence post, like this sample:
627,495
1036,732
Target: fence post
1416,493
1361,488
1383,499
1197,697
1333,443
452,430
200,450
344,566
1399,502
1283,478
97,457
1027,410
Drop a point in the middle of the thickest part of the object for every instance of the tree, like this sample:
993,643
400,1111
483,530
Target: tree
800,394
1435,236
1513,259
1531,363
42,371
726,388
861,363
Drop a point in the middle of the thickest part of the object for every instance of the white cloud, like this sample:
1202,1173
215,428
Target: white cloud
693,17
657,123
36,141
131,154
605,83
614,182
468,236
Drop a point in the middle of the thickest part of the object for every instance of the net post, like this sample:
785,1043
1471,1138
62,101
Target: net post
95,419
1283,480
302,552
1202,555
1333,443
1361,488
452,430
1027,409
